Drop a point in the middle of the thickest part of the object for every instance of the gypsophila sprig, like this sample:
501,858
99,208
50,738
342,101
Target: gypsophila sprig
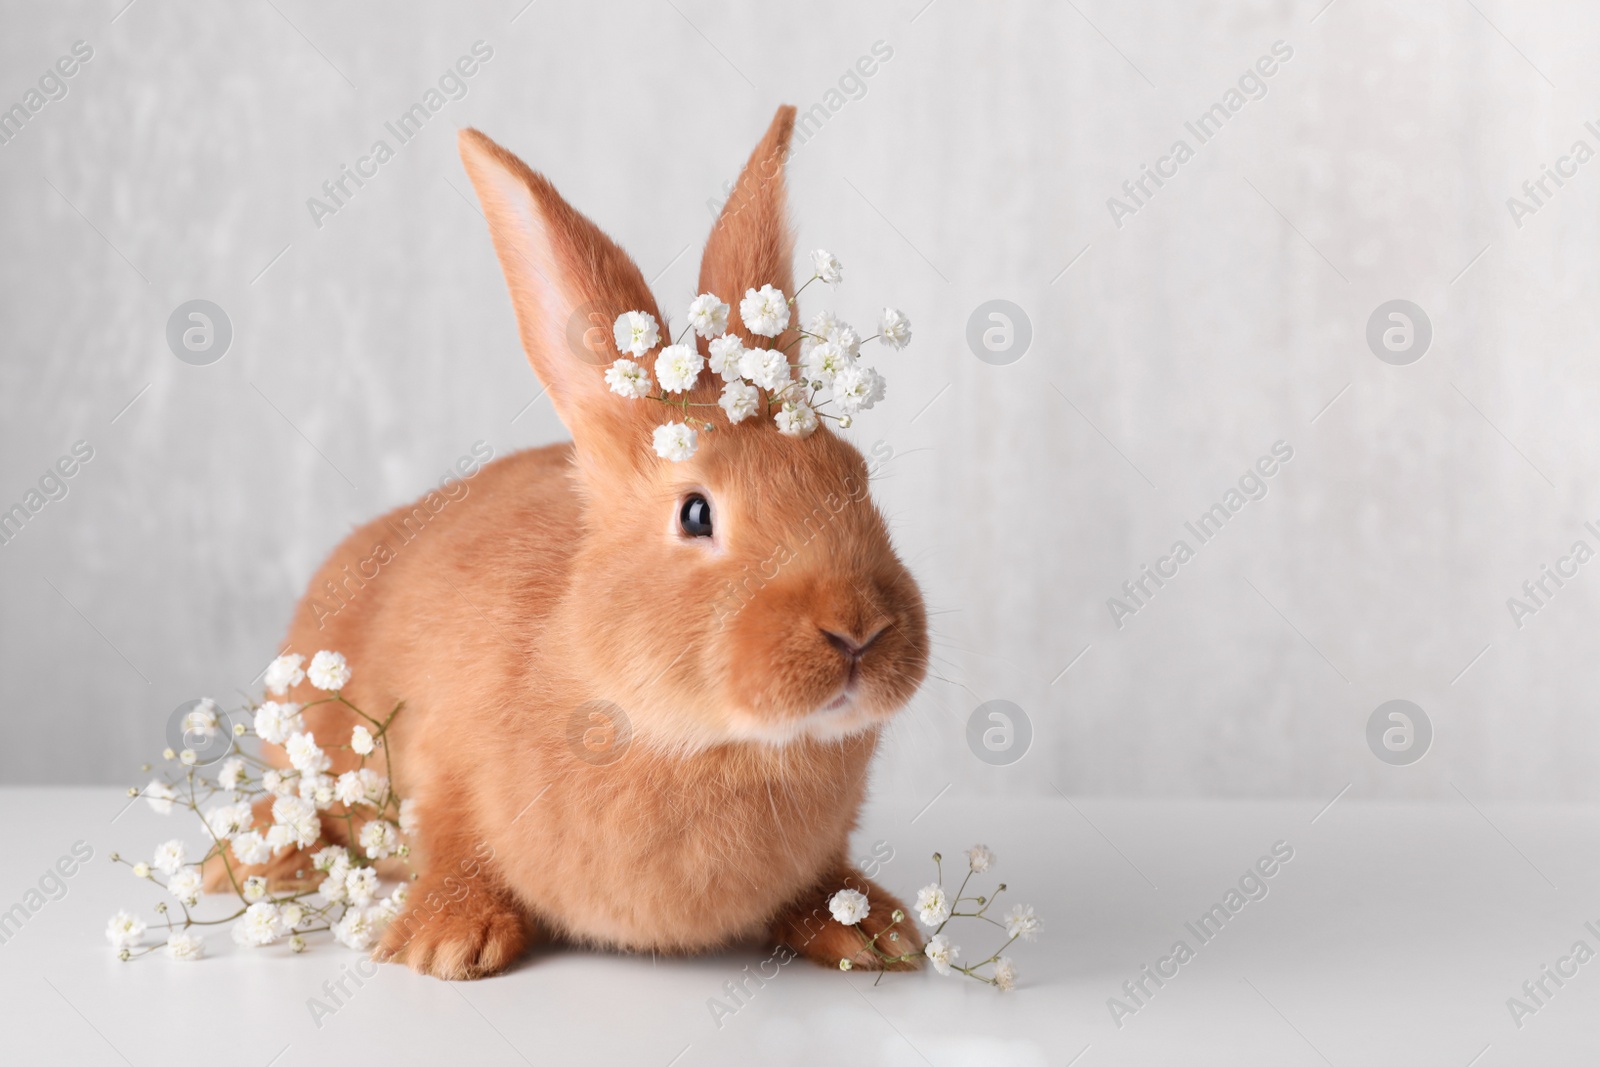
250,812
937,909
824,379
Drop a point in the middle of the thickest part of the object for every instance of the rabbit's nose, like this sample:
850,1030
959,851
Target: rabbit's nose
852,646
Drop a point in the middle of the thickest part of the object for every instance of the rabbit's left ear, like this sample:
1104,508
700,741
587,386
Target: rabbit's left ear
751,245
568,283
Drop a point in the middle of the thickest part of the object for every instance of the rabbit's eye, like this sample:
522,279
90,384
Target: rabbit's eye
695,518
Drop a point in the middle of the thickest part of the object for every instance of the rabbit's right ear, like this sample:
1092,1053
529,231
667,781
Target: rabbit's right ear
568,283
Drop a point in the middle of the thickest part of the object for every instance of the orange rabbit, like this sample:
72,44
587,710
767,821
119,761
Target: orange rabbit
740,677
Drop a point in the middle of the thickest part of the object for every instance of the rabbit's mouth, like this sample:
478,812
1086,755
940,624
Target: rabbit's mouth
837,702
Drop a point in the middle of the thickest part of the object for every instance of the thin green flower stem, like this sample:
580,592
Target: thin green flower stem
340,698
800,335
802,289
685,402
226,866
959,891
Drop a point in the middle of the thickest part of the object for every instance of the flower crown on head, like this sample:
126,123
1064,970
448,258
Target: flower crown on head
828,370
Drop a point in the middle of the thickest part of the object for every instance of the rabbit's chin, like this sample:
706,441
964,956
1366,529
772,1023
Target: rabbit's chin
842,717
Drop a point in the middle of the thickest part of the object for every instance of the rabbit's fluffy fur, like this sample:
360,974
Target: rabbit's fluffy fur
562,578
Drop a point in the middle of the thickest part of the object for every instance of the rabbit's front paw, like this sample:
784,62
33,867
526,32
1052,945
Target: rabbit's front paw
810,929
480,934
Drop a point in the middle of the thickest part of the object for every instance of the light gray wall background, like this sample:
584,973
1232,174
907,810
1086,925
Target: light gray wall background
1167,353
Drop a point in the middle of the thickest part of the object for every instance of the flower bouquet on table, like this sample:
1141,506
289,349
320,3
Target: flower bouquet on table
936,910
253,812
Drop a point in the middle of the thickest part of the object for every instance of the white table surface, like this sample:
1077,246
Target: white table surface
1394,936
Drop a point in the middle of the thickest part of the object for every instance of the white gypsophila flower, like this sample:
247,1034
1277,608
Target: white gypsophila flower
361,886
332,887
849,906
1005,974
349,789
829,269
708,316
877,386
941,952
894,329
980,858
765,311
291,915
284,673
1021,922
290,810
376,784
823,361
254,888
186,885
356,930
397,896
253,847
328,671
858,388
298,816
261,925
933,907
277,783
766,368
188,757
628,379
230,774
141,870
408,817
379,838
846,338
184,947
739,401
726,352
361,741
200,721
677,368
822,324
796,419
318,789
329,858
169,856
279,838
635,332
230,820
125,931
305,754
275,722
379,915
159,796
675,441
